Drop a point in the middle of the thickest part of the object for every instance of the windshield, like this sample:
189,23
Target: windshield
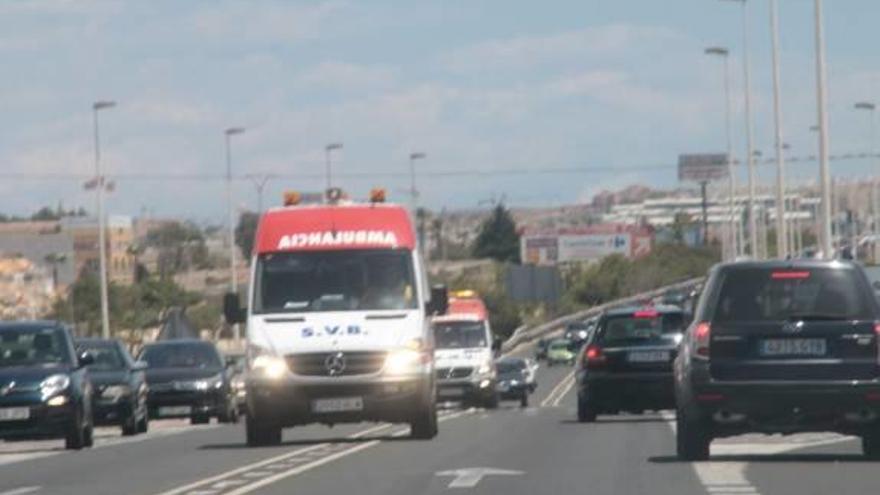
460,335
560,345
626,328
508,367
181,356
33,347
107,356
354,280
762,294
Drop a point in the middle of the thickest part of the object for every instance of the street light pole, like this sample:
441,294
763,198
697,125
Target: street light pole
233,279
872,109
733,230
329,168
102,234
781,230
413,192
822,104
747,86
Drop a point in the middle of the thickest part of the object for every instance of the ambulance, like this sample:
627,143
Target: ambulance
463,354
338,320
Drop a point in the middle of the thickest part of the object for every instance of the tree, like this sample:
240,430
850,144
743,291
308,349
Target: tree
498,238
246,232
180,245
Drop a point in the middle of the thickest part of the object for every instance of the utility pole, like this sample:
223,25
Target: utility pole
102,224
822,105
233,272
781,231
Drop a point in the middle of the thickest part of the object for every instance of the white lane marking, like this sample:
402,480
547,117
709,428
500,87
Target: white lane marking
552,395
470,477
264,463
564,391
728,478
330,458
22,490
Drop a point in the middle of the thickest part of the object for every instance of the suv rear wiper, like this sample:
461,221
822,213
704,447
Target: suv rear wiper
817,317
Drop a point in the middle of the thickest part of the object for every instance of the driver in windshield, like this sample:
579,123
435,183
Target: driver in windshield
387,287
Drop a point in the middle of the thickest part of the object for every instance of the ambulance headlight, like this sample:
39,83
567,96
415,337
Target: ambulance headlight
272,367
403,361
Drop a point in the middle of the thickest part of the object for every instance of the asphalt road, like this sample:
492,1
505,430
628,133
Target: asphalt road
539,449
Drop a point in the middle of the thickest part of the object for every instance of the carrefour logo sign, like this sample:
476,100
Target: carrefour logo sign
339,238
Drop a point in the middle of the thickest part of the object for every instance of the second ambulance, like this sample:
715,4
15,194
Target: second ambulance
338,322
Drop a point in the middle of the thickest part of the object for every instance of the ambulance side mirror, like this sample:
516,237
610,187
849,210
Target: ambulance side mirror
439,303
232,309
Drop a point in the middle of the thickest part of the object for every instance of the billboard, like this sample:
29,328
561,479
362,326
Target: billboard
702,167
584,245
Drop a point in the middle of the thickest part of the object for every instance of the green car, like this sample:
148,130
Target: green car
559,352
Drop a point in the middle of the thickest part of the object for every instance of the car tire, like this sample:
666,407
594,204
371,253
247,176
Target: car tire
89,435
692,438
586,412
524,399
130,425
425,425
492,401
871,445
144,424
199,419
261,435
230,415
75,437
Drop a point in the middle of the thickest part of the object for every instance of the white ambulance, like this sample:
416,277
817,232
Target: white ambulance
338,320
464,353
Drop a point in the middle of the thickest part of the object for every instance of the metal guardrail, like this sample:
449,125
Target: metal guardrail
523,335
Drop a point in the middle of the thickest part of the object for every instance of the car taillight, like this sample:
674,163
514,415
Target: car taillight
593,356
702,332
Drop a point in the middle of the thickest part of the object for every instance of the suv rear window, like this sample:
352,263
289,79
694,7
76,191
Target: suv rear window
637,327
762,294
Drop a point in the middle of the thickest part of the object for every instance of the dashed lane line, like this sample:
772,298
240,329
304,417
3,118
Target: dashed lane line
253,476
565,390
22,490
552,395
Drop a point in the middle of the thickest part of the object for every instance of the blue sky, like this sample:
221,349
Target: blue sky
481,86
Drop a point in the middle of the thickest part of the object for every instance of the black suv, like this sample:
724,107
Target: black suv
626,364
780,347
45,391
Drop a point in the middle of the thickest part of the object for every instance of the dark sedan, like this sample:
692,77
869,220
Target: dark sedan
627,363
516,379
120,396
188,379
45,391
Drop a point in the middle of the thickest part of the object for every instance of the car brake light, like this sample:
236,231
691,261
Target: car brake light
646,313
877,328
702,332
789,275
594,356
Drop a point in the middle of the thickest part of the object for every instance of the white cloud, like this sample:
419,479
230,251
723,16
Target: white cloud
265,21
572,46
346,76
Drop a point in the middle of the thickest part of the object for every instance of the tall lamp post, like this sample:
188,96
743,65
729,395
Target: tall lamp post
872,109
327,152
747,87
233,279
102,224
781,228
733,230
822,107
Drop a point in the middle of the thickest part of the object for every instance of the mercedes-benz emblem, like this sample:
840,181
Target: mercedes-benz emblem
8,388
335,364
792,326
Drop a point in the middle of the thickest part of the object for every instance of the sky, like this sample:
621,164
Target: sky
613,89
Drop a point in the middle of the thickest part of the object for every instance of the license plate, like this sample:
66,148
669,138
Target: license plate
450,392
175,411
648,357
793,347
14,413
343,404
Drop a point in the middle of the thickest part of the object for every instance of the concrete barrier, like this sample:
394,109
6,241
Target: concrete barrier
525,335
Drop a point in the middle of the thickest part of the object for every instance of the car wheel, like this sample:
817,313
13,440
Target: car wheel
144,424
199,419
261,435
586,411
89,435
524,399
75,438
425,425
492,401
691,439
230,415
871,445
130,425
